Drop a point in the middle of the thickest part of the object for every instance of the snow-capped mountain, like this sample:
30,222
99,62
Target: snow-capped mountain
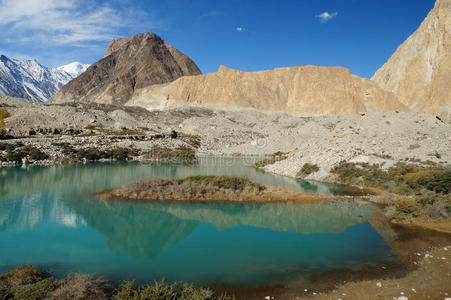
29,79
74,68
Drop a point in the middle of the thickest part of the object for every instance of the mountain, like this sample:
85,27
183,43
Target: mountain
29,79
74,69
129,64
419,72
307,90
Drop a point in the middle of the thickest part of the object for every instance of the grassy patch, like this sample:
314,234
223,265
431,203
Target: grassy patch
414,146
436,207
93,154
29,283
18,151
407,207
427,187
400,179
180,154
193,140
224,182
162,290
37,291
307,169
81,286
4,113
123,131
273,158
25,282
383,156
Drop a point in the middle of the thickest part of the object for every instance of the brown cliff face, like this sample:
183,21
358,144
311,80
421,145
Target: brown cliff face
419,72
307,90
129,64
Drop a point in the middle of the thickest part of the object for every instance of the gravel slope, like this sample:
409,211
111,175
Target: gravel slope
374,137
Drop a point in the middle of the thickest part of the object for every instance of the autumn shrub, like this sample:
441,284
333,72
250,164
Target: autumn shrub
308,169
4,113
164,291
273,158
93,154
401,178
29,274
225,182
180,154
16,152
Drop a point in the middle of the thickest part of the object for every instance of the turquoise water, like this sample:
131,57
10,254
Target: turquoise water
49,218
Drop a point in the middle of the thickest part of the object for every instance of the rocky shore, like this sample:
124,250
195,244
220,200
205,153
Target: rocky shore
377,137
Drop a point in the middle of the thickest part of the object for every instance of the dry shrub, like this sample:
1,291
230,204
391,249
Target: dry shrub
180,154
29,274
80,286
308,169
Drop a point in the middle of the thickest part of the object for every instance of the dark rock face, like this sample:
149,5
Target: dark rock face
129,64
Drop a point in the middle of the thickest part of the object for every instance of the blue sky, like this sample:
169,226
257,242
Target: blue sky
248,35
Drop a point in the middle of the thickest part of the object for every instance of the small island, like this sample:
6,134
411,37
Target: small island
207,188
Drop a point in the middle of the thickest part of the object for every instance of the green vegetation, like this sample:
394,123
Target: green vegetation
401,179
273,158
10,146
414,146
307,169
224,182
82,286
25,282
423,190
4,113
123,131
92,154
17,151
29,283
180,154
194,188
435,207
193,140
163,291
407,207
383,156
36,291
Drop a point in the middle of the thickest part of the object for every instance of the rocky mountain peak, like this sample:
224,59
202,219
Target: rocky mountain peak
129,64
137,40
419,72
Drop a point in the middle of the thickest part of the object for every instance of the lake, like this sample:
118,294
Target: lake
49,217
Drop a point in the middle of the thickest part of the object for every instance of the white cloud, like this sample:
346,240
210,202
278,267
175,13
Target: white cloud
240,29
59,22
325,16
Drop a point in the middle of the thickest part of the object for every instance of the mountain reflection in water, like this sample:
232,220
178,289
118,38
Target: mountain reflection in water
49,218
